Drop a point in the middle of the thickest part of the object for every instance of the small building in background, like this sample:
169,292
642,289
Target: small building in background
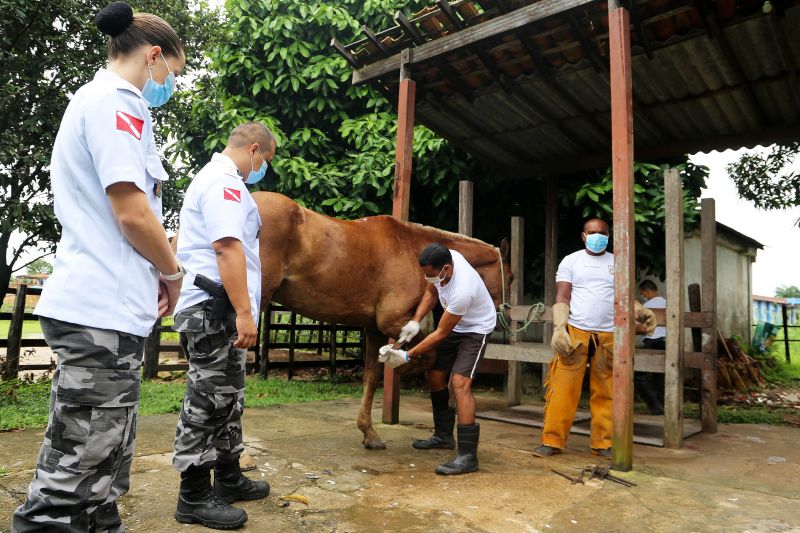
31,280
770,309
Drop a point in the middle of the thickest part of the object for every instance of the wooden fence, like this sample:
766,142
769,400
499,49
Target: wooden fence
278,328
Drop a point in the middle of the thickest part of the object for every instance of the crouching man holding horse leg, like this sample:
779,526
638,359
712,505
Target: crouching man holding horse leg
460,343
216,318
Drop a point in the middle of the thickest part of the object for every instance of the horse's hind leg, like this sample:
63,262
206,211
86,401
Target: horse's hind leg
372,376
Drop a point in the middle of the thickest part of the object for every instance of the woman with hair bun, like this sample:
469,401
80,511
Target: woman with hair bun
114,275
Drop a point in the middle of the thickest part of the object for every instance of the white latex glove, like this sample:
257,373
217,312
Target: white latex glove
644,316
408,332
392,357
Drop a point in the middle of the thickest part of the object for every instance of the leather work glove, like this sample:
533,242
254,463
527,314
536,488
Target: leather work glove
392,357
562,343
409,331
644,316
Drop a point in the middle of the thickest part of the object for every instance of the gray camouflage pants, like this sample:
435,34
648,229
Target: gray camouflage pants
85,460
210,423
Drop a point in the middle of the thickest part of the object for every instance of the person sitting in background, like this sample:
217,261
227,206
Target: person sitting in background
649,387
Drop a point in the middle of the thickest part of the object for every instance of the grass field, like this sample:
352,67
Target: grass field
27,405
30,328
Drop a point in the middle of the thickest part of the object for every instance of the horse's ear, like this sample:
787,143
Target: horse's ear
505,250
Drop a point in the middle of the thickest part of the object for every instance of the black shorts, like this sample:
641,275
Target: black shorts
461,353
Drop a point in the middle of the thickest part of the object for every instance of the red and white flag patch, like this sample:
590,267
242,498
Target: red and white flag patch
129,123
234,195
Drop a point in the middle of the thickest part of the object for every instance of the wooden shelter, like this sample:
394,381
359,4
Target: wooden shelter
539,88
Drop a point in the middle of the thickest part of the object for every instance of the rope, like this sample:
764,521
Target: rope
534,313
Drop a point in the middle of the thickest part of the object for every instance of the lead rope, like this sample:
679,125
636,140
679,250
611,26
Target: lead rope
534,313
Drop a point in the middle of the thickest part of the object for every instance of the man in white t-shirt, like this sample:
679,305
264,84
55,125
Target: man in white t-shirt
650,386
216,317
460,342
583,330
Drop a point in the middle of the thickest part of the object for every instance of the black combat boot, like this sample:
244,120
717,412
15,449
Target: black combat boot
198,504
467,459
443,422
231,485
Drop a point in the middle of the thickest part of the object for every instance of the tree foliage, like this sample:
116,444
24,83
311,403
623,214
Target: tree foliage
787,291
766,179
336,152
39,266
48,50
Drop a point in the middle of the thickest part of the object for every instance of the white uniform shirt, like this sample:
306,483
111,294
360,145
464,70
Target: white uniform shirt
466,295
217,205
99,280
591,306
657,302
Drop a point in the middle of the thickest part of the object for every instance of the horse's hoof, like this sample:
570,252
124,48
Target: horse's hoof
375,445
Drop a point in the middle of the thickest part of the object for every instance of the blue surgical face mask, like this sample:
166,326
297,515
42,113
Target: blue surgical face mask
256,175
155,93
596,242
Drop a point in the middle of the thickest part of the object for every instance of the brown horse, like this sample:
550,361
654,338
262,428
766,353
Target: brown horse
358,273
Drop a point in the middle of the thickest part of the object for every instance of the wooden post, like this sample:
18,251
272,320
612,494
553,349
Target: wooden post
257,347
400,204
514,382
151,352
263,362
550,262
695,304
708,268
332,366
465,203
15,333
292,335
785,312
673,363
624,234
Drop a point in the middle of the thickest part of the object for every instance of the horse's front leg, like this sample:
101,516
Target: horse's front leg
372,376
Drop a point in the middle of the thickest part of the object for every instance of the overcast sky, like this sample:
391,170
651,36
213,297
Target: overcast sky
777,264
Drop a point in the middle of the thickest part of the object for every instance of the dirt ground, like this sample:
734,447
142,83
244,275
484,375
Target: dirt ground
743,478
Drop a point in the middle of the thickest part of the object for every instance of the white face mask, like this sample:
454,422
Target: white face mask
437,278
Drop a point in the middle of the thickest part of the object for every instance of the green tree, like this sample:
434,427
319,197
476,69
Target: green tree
787,291
48,50
40,266
336,151
767,179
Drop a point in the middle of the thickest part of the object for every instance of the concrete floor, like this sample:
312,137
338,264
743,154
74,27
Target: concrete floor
744,478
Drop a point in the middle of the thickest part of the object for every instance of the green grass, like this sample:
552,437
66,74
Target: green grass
3,471
30,328
24,405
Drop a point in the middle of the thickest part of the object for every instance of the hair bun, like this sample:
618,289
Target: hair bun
114,18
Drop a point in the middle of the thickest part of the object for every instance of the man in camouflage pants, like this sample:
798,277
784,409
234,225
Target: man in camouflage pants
85,460
218,245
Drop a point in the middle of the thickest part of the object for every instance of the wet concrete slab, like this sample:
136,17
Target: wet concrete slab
744,478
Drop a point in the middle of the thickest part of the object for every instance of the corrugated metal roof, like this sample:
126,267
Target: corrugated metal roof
687,97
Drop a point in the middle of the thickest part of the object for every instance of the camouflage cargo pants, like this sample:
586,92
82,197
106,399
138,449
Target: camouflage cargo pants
85,460
210,421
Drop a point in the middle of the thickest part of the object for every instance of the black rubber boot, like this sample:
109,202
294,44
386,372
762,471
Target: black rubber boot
231,485
467,459
198,504
443,422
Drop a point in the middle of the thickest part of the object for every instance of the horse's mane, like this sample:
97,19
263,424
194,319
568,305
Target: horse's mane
446,234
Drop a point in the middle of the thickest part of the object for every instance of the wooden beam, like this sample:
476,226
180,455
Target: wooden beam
409,28
444,6
673,369
510,22
11,370
345,53
466,190
598,64
624,232
514,382
371,37
550,261
400,207
708,269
